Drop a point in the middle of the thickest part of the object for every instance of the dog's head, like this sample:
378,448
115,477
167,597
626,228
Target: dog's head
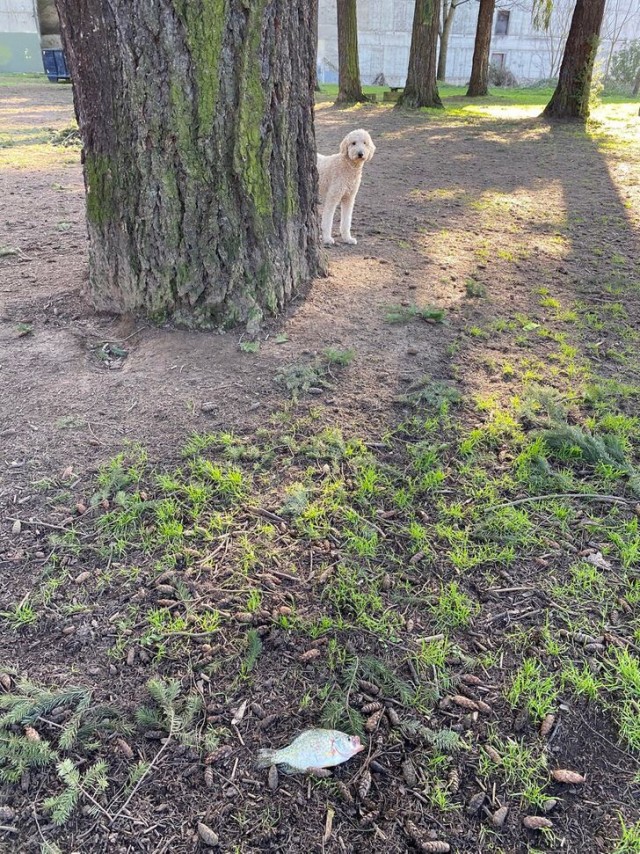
357,146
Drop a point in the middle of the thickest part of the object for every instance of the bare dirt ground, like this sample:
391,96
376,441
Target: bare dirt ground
526,236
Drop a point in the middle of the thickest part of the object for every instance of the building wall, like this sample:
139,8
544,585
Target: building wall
384,37
19,37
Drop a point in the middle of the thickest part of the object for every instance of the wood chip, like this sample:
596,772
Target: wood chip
16,527
562,775
328,825
239,713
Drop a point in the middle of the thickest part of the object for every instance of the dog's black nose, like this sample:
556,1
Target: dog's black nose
360,154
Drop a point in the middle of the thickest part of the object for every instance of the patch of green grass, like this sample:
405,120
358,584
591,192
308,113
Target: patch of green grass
523,770
20,615
453,607
474,289
532,688
403,314
629,842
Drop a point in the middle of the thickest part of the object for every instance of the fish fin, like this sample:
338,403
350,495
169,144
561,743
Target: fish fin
265,758
289,769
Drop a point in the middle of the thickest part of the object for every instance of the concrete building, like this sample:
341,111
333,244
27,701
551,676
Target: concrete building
26,28
384,36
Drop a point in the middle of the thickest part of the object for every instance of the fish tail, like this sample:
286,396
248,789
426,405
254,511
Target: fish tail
266,757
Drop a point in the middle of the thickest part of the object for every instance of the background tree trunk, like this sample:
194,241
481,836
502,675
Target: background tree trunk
199,154
450,7
571,97
349,87
421,88
479,82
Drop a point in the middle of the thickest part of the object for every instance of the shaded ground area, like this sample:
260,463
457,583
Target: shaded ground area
356,535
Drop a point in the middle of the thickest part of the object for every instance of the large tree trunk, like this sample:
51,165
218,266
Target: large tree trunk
421,88
479,82
349,86
199,154
441,73
571,97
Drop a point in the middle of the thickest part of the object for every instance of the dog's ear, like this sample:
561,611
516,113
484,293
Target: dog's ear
344,145
370,149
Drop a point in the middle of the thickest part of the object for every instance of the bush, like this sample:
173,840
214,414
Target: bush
501,77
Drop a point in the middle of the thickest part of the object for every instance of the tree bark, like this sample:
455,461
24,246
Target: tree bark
636,85
479,82
349,86
421,88
571,97
199,154
441,73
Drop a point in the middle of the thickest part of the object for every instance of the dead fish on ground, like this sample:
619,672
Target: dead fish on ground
314,748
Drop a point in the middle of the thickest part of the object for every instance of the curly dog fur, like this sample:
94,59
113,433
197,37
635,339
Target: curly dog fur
340,175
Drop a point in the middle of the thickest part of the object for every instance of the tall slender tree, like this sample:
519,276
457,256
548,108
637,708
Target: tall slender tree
479,82
349,86
571,97
448,12
421,88
199,154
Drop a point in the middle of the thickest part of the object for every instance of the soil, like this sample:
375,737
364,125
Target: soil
76,386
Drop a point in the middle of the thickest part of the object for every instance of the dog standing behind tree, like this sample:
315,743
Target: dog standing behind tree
340,175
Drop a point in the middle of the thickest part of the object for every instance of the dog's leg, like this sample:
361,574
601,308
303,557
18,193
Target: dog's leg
346,212
328,211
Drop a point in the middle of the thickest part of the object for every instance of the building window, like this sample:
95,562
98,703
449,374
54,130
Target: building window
497,60
502,23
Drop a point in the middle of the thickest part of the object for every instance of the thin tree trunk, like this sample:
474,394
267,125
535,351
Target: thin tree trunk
479,82
349,86
444,43
199,154
571,97
636,84
421,88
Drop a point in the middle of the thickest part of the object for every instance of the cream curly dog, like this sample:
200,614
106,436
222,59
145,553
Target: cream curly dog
340,176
